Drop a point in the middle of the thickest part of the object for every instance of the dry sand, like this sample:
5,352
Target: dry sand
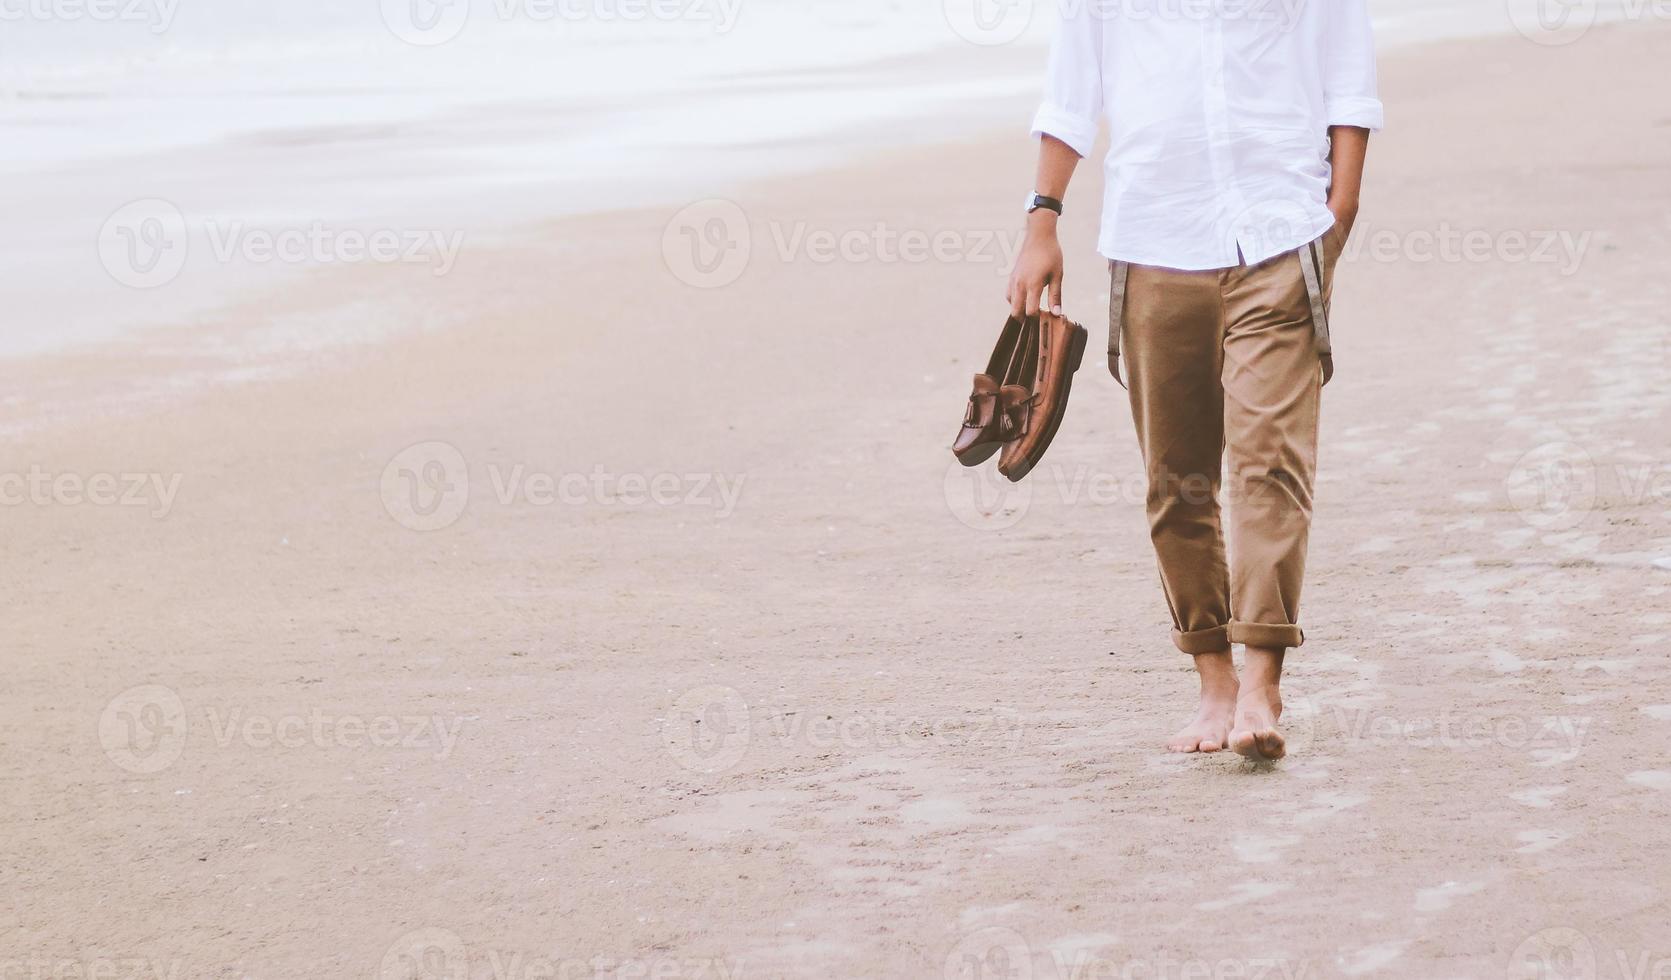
848,722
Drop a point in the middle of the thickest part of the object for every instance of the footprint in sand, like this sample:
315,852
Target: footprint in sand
1262,850
936,811
1535,841
1504,662
1327,805
1541,797
1544,758
1247,891
1370,958
1069,949
1440,897
1612,668
1651,779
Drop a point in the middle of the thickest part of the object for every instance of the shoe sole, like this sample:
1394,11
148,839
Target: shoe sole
1076,354
977,454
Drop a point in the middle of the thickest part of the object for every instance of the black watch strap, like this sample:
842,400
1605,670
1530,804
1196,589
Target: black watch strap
1048,203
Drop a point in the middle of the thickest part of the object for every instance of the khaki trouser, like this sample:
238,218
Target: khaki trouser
1228,359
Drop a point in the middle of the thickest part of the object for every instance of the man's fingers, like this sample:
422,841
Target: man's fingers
1056,293
1033,291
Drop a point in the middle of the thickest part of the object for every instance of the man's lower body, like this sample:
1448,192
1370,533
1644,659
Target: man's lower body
1226,372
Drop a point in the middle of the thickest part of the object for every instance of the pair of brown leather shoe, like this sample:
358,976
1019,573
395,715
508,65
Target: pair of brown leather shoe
1018,403
998,403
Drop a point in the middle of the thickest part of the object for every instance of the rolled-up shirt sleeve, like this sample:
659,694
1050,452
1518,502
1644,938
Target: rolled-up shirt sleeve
1072,106
1350,96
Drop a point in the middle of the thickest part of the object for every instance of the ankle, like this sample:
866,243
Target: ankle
1218,675
1262,668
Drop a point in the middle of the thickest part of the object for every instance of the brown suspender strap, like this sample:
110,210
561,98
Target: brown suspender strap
1116,309
1311,268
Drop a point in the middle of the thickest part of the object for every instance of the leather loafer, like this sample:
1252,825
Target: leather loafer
996,401
1058,346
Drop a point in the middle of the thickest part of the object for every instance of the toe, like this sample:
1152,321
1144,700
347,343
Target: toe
1271,745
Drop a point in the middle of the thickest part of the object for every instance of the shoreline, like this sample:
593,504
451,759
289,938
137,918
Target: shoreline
286,318
444,176
238,185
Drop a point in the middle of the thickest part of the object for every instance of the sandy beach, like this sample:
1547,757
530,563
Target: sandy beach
610,605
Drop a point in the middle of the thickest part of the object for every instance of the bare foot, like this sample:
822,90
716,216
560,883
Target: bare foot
1258,706
1209,730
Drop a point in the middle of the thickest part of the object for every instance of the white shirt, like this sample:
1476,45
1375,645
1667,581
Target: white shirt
1218,114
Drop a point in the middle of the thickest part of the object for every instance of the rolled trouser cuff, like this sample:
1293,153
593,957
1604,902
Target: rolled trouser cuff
1266,634
1210,640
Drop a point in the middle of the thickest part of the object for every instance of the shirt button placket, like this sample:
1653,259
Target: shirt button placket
1218,126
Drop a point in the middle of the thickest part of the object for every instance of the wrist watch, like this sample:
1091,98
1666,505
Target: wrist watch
1037,200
